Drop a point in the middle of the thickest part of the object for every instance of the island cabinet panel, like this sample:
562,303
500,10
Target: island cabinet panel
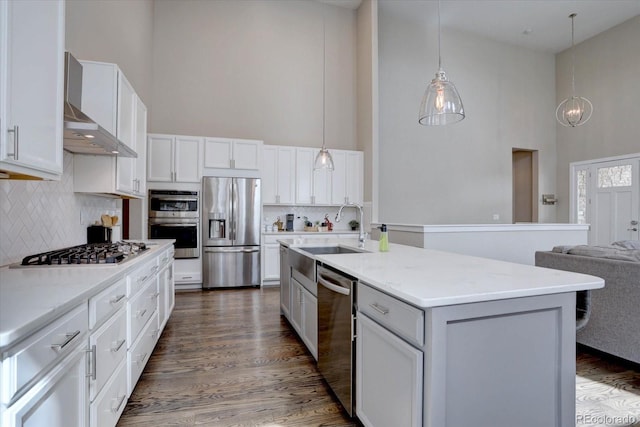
507,362
388,377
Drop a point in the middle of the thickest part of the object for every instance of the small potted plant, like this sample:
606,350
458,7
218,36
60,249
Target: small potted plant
354,224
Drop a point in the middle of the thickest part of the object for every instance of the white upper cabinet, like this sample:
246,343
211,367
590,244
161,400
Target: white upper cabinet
225,153
31,88
173,158
278,174
312,186
289,178
110,100
140,175
347,180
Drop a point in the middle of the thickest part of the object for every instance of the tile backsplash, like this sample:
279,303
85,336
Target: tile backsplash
314,213
38,216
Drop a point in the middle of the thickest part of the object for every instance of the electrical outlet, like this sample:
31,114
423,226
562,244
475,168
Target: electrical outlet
496,217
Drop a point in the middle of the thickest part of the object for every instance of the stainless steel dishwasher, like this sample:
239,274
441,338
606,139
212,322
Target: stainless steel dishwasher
336,333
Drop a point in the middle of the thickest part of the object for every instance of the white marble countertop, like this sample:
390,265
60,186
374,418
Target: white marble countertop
284,234
430,278
32,297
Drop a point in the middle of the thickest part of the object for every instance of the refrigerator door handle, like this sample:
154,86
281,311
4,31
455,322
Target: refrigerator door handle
234,250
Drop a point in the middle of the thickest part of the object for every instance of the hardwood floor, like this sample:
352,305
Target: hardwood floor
227,358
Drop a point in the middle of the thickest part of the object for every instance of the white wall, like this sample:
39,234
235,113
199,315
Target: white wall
366,65
607,72
253,69
114,31
459,173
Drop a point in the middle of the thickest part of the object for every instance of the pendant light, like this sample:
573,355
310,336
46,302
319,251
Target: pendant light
441,103
323,158
576,110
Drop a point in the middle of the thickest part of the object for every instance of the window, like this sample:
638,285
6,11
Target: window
614,176
581,191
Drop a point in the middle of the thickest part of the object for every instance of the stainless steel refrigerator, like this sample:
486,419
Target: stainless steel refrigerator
230,232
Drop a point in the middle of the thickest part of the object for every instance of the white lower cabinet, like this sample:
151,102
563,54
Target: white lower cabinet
110,346
285,282
388,377
58,400
139,354
166,295
80,368
389,360
303,316
271,262
106,409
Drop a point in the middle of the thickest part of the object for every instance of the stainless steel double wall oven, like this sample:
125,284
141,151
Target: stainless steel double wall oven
176,215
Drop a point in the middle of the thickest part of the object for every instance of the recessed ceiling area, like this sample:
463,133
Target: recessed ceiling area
542,25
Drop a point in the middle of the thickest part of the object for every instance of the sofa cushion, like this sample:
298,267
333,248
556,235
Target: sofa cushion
608,252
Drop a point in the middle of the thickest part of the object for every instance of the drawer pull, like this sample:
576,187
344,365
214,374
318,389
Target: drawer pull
154,269
118,346
91,360
142,313
154,295
68,338
117,299
119,405
142,279
139,361
379,308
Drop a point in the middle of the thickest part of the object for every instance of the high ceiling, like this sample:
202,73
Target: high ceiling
535,24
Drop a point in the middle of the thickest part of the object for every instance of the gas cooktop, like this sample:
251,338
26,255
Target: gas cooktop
89,254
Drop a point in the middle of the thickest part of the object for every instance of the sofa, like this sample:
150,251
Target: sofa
608,319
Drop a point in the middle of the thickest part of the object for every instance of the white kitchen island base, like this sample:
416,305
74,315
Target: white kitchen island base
447,340
498,363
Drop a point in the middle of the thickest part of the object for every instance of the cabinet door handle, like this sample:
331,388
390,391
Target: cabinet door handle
154,295
69,336
379,308
120,402
141,314
142,279
117,299
140,360
118,346
92,371
16,135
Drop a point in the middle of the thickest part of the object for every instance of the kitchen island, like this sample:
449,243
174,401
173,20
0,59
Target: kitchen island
453,340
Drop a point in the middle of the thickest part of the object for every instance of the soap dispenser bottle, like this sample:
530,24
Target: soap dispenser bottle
383,243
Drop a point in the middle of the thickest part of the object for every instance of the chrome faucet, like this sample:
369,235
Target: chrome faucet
357,206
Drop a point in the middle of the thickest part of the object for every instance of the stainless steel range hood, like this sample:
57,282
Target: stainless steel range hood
81,134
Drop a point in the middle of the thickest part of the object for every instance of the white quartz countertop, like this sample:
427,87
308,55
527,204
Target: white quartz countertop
430,278
31,297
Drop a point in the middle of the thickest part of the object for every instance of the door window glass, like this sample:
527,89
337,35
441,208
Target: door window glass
614,176
581,184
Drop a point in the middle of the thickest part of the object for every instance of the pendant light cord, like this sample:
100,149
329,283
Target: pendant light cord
324,72
573,59
439,57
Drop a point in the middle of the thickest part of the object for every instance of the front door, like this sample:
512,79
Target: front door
615,201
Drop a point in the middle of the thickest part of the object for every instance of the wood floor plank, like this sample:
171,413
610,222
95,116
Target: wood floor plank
227,358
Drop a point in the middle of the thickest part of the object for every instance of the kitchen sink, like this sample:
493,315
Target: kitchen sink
326,250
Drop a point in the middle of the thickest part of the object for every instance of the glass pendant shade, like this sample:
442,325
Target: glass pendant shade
323,160
576,110
441,103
